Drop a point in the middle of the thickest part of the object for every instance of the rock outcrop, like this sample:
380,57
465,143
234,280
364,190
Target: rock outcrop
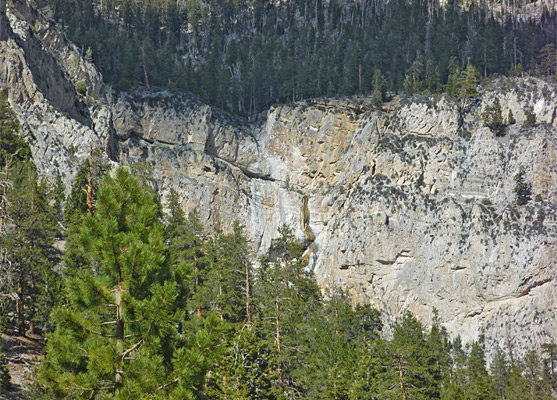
410,207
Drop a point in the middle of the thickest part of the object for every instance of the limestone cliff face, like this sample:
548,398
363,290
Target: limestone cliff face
410,207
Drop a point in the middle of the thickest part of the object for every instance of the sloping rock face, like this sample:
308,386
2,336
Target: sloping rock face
410,207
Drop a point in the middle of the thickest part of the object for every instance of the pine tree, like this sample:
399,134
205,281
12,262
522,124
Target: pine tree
186,245
80,202
466,85
550,363
521,188
410,372
379,88
118,336
530,120
479,382
493,118
536,386
28,247
510,118
500,371
58,195
547,60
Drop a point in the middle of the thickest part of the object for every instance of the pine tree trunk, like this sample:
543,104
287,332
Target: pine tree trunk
248,296
20,294
32,310
360,78
90,186
4,203
196,271
401,377
119,333
279,347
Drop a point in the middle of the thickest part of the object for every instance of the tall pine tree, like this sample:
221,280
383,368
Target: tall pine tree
120,335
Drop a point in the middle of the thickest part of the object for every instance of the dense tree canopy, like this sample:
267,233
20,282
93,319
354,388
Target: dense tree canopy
244,56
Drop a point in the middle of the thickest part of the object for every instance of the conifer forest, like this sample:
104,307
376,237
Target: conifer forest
137,299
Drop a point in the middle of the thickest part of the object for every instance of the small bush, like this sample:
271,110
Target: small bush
81,88
510,118
530,117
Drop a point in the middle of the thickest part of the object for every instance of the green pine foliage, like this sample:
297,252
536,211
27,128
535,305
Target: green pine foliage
522,189
119,336
378,94
246,56
465,85
5,377
12,145
85,184
138,325
530,120
510,118
28,235
493,118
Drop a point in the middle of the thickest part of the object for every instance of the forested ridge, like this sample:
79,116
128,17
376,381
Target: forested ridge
143,302
244,56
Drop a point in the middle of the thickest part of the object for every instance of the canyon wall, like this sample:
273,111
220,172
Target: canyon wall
407,207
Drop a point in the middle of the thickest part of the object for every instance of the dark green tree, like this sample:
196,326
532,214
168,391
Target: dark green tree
479,383
510,118
409,372
549,351
379,88
466,85
28,244
547,61
536,386
530,120
12,144
493,118
500,371
80,203
5,377
120,336
522,191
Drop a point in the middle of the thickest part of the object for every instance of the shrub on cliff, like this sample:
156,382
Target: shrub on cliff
493,118
521,189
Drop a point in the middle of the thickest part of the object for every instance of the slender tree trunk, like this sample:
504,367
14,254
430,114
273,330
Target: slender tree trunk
196,271
4,203
336,323
360,78
20,294
145,67
401,377
4,194
248,295
119,378
90,185
278,340
32,310
220,296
